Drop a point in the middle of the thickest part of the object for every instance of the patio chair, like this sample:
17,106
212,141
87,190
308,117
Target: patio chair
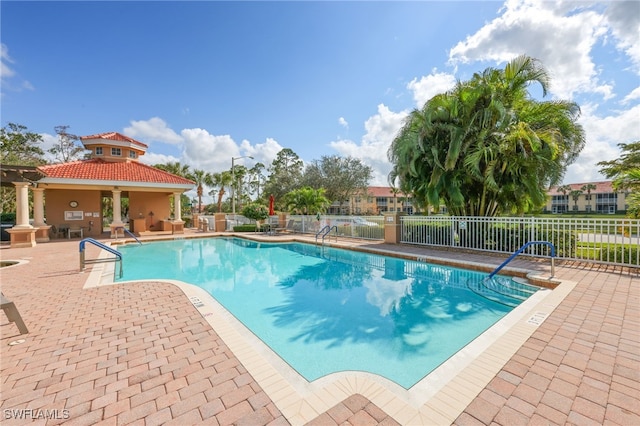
75,230
289,228
59,231
271,226
12,313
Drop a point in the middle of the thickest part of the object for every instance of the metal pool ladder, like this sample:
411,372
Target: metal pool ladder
84,261
325,231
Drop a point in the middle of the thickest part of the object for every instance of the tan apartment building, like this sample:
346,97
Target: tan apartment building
377,200
589,197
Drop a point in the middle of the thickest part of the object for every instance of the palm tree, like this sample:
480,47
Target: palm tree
588,187
564,189
307,200
175,168
201,178
486,147
575,194
221,180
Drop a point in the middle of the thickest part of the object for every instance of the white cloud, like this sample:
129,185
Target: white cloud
603,136
381,129
634,95
263,153
5,70
199,149
155,129
151,158
8,74
343,123
430,85
560,34
624,20
208,152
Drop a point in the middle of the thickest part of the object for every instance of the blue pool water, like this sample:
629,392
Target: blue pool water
326,310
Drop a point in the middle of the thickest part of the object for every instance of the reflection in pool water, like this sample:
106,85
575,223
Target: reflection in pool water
326,310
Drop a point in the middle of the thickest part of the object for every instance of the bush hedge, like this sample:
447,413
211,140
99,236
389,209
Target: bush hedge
621,254
245,228
8,218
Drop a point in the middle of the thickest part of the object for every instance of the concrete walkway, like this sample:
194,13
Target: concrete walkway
141,353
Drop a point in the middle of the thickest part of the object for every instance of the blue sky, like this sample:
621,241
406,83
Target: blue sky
201,82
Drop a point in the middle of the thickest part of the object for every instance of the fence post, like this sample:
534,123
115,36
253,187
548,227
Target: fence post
393,227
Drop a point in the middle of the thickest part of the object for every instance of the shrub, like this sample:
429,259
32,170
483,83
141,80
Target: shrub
374,232
433,233
255,211
621,254
565,242
244,228
8,218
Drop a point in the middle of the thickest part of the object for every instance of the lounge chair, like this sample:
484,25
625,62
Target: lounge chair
270,226
12,313
289,228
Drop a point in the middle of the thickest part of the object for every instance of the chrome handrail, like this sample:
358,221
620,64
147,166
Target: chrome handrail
96,243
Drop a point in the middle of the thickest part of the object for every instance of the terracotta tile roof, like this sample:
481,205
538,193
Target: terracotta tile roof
114,136
98,169
383,191
604,187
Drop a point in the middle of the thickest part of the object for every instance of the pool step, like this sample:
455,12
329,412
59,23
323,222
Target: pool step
503,290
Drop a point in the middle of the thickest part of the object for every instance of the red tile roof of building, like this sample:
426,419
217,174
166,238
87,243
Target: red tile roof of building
98,169
383,191
114,136
604,187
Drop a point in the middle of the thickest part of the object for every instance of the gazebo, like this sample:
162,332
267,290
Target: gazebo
72,196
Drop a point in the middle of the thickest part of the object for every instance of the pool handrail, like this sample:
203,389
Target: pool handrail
323,229
520,250
125,230
98,244
327,230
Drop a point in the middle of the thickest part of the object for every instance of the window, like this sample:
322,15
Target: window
116,152
98,150
132,154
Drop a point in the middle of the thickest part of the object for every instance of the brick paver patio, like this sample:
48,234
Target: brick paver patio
140,353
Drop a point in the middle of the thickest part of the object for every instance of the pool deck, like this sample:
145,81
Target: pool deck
149,353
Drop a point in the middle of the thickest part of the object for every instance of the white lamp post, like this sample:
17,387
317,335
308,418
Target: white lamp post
233,182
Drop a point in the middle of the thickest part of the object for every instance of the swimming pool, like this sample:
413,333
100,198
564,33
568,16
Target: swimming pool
325,310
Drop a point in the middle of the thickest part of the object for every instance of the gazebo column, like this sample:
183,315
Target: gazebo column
177,207
177,226
22,234
116,223
42,229
22,205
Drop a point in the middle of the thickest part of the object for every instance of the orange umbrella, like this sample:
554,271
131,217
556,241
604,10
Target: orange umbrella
271,210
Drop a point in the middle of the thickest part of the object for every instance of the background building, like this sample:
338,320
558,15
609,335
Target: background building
590,197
